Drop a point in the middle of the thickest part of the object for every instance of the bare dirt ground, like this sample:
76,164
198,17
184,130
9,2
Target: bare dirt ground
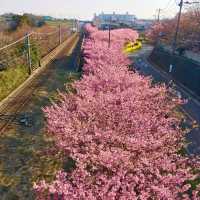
22,140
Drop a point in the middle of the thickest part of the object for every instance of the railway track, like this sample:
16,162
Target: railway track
14,106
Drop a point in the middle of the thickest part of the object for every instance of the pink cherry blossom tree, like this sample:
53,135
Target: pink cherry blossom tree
120,132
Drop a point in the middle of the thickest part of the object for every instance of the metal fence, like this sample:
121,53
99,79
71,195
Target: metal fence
183,70
30,49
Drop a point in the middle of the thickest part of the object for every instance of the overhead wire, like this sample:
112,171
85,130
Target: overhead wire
13,43
24,37
166,7
169,9
10,55
50,33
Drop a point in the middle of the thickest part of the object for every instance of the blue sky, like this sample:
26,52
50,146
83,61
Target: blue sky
84,9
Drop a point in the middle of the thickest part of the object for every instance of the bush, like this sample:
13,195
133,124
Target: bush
11,78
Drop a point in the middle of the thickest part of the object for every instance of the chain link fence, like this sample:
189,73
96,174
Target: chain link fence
20,58
38,45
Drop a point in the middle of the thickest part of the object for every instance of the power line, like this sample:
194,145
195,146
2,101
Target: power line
168,12
50,33
176,2
169,5
166,7
22,38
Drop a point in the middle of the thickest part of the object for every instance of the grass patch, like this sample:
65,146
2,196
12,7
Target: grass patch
11,78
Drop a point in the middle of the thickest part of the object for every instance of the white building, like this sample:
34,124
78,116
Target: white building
143,24
117,20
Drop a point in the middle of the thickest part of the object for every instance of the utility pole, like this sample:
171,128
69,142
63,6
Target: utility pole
109,33
73,25
60,35
77,26
29,53
158,18
177,28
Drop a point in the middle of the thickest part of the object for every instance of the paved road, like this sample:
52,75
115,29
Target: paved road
191,110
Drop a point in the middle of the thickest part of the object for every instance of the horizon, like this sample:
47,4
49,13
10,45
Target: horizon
69,18
64,9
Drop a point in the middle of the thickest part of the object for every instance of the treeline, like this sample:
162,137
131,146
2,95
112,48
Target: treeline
12,22
14,26
189,32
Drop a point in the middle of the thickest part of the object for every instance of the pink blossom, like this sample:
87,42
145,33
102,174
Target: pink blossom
119,130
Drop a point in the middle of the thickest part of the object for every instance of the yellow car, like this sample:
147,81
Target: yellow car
131,47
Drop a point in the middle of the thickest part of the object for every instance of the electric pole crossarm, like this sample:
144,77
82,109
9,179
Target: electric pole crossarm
194,2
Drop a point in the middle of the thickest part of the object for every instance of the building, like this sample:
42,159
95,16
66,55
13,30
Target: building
103,21
143,24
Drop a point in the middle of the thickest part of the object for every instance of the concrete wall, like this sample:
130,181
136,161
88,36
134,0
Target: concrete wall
184,70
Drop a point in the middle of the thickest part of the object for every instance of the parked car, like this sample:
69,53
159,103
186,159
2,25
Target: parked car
131,47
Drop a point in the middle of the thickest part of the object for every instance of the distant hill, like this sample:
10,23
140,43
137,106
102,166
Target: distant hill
48,18
13,21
